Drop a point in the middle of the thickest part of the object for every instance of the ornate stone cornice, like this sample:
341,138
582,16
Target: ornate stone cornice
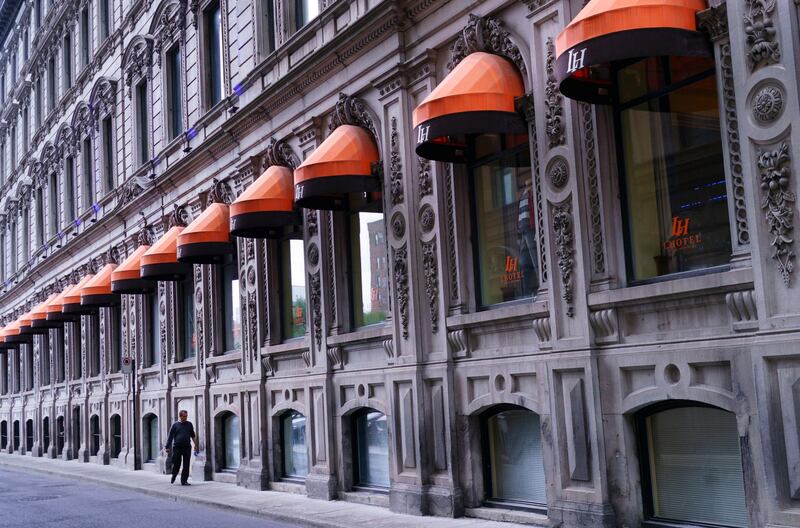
485,34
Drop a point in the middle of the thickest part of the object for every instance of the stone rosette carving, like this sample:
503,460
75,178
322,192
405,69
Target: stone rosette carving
767,103
400,276
430,268
763,48
558,172
313,254
398,225
778,205
564,239
427,218
554,111
485,34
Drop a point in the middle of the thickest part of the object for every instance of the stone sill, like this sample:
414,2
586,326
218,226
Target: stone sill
368,333
522,310
231,357
725,281
504,515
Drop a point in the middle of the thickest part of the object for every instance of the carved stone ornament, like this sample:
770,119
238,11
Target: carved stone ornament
395,166
220,192
351,110
280,153
145,236
592,178
558,172
430,268
138,62
714,21
767,103
132,188
734,144
427,218
170,27
313,254
316,306
778,205
400,277
398,225
563,230
763,48
311,222
178,217
485,34
554,114
425,180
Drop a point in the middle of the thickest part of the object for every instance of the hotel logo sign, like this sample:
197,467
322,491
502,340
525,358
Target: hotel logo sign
681,239
512,272
575,60
422,134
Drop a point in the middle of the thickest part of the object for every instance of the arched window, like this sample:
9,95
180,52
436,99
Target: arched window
29,435
230,441
60,435
293,440
151,442
116,436
94,432
515,467
691,465
371,454
46,434
76,431
4,435
16,435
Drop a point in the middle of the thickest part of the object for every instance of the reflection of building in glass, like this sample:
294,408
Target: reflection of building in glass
379,267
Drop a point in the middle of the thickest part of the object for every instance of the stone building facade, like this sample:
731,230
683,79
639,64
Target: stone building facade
528,359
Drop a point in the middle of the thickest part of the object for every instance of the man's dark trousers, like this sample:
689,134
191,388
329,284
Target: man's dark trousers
181,455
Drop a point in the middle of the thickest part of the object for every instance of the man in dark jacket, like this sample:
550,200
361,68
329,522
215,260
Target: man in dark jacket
179,445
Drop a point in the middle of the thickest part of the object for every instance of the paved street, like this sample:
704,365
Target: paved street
30,500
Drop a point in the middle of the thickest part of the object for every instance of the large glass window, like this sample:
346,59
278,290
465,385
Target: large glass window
266,27
174,98
85,43
694,466
304,12
369,268
516,468
116,435
69,190
108,153
154,321
142,123
293,280
151,446
187,315
371,449
213,50
504,222
675,197
232,314
105,19
51,81
115,359
295,451
88,174
53,212
230,441
67,64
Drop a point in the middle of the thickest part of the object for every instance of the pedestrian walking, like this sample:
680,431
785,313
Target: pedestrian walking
179,446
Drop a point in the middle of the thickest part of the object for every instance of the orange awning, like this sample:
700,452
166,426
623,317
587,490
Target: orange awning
477,97
5,345
39,315
160,262
55,307
14,333
208,238
71,300
606,31
97,292
341,166
127,278
25,323
266,205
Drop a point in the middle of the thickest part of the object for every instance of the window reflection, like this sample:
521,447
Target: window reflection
369,267
295,309
295,452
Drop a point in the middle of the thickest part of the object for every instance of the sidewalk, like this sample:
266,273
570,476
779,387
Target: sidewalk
285,507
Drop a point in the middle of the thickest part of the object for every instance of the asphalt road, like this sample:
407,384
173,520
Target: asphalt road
32,500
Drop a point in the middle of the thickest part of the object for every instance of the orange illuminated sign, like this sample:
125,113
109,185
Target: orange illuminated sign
681,240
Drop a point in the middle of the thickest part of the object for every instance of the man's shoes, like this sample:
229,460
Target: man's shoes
173,479
185,484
